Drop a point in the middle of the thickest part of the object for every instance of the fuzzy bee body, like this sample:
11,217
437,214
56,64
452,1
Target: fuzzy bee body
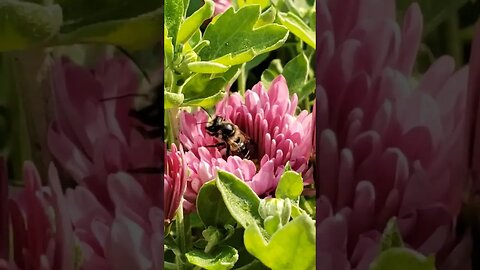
229,135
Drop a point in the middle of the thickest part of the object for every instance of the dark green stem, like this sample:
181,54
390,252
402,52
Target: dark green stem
242,80
453,39
180,230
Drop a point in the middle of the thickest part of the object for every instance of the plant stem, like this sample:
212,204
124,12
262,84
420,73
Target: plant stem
453,39
180,230
172,136
168,265
242,80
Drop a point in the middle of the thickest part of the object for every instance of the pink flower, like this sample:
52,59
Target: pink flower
386,146
221,6
203,168
42,233
174,181
269,119
91,138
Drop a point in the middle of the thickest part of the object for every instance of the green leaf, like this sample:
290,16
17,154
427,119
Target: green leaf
300,7
296,72
124,33
174,12
266,17
193,23
291,247
221,258
233,39
274,69
186,4
206,103
210,206
172,100
254,265
298,27
306,90
168,49
78,13
391,237
255,61
240,199
263,3
207,67
202,86
195,39
289,186
24,24
401,259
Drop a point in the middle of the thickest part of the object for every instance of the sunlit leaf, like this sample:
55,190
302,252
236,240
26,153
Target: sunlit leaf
221,258
233,40
292,247
24,24
124,33
210,206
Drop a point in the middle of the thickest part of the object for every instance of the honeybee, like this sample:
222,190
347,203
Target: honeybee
229,135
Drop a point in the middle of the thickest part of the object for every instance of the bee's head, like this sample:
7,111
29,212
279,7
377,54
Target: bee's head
219,128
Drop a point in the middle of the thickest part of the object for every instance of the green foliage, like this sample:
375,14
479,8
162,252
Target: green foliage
402,258
292,247
120,32
298,27
222,258
394,256
270,234
233,40
290,186
193,23
24,24
239,198
210,206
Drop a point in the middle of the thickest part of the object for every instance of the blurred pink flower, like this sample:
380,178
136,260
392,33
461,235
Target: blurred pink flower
130,237
117,217
269,119
474,112
41,231
91,138
386,146
221,6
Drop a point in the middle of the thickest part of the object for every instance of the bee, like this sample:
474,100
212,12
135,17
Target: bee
229,135
150,115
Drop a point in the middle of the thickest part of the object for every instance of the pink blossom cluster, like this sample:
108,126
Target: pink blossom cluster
268,118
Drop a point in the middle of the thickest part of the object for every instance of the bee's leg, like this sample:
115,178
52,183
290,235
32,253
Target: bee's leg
216,145
228,150
247,155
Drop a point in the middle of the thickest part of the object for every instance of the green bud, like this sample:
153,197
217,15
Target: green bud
213,236
272,224
272,207
182,62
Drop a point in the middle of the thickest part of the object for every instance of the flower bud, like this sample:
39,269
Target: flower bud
275,207
182,63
